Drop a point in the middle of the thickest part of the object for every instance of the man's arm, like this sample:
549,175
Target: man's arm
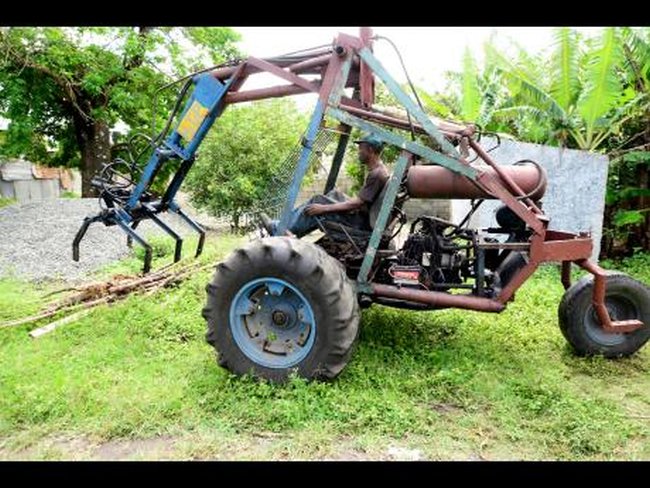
347,206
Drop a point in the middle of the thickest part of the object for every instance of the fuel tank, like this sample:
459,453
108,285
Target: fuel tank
427,181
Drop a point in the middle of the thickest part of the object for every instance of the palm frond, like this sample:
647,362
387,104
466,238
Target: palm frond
602,84
517,110
523,88
471,97
565,84
432,104
637,55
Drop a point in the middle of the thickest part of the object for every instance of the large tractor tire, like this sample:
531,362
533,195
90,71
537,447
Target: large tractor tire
279,305
625,298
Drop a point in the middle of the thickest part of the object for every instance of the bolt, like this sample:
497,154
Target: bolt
279,318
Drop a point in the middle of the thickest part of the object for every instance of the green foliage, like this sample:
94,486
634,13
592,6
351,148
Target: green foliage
452,383
471,99
578,97
357,172
629,217
56,84
602,86
4,202
590,94
246,148
565,82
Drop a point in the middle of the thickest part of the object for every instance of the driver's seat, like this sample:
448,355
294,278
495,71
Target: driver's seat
361,237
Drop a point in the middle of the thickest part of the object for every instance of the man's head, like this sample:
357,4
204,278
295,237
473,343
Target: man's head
369,148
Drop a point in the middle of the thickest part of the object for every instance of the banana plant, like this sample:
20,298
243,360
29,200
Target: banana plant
583,99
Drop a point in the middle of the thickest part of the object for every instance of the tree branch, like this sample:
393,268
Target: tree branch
63,82
132,63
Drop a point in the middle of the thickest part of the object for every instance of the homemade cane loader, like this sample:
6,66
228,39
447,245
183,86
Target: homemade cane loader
280,304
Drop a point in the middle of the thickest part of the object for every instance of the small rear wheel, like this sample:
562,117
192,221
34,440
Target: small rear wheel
625,299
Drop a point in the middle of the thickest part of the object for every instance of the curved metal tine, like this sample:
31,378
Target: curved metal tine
147,247
129,239
174,235
196,227
81,233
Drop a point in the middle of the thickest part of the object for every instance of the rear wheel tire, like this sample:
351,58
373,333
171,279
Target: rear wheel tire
625,298
279,305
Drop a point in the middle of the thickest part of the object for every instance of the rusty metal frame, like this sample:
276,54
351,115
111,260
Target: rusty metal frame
350,62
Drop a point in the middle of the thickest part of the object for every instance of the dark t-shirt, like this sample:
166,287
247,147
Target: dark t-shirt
375,181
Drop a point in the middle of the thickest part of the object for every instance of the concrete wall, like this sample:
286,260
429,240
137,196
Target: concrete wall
20,180
575,195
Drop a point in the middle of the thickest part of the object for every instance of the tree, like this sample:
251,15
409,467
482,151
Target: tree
590,94
628,194
580,98
63,89
243,155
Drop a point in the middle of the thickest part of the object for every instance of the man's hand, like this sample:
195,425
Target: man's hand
316,209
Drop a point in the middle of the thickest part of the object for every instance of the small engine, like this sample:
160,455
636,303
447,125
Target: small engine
436,255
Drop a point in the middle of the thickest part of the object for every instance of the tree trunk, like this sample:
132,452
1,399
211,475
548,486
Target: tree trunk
644,183
94,142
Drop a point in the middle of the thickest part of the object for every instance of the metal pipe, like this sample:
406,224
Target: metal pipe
262,93
504,177
338,157
389,120
437,298
428,181
295,66
310,63
598,301
566,274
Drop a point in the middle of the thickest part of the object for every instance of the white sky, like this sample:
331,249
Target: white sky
428,52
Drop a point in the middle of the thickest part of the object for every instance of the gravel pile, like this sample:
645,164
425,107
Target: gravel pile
36,239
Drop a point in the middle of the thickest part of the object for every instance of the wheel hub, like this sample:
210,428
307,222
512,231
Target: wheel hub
272,323
280,318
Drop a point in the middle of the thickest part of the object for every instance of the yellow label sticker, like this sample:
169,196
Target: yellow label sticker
192,121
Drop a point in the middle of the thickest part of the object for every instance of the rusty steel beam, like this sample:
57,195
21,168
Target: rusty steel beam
227,71
301,67
437,298
281,73
598,301
517,280
262,93
389,120
310,63
566,274
366,77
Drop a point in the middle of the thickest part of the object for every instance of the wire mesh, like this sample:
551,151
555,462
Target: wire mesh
278,188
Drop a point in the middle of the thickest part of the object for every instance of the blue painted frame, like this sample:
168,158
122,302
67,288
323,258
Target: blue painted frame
209,92
301,169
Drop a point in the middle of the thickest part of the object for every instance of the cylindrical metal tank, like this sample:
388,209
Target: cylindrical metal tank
427,181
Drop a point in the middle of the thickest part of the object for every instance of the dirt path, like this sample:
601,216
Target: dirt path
263,446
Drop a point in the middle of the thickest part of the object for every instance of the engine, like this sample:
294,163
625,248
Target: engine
437,255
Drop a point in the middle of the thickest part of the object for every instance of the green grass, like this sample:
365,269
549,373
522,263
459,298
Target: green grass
454,384
70,194
4,202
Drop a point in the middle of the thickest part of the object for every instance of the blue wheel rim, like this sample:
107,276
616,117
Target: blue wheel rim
272,323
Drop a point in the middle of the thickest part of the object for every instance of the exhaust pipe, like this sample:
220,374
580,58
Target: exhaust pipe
438,299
